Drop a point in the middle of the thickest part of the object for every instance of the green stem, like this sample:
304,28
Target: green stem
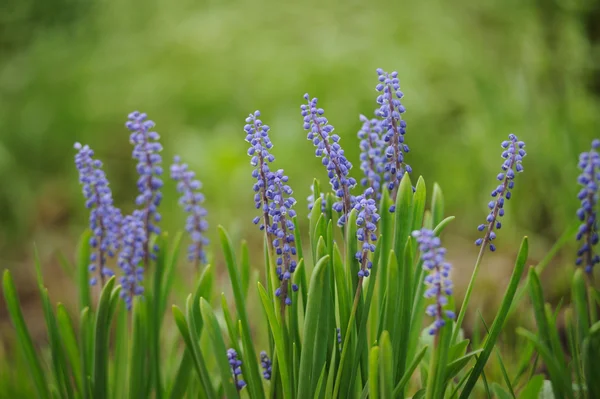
465,304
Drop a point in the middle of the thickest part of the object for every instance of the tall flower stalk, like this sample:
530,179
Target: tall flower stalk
331,154
104,219
146,151
513,154
131,256
257,134
394,128
191,200
589,163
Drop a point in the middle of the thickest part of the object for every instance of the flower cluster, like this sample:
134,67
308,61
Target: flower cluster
332,154
438,280
393,127
191,200
589,163
371,155
266,365
147,152
513,153
366,221
257,135
280,210
236,368
104,217
131,256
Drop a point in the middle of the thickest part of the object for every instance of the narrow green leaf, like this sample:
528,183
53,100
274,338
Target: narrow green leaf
436,380
374,373
409,372
533,388
101,335
419,200
500,392
579,297
219,349
499,320
138,370
69,339
313,309
343,296
169,273
245,268
403,217
386,367
537,299
437,205
85,343
300,272
231,325
457,365
280,351
256,391
441,226
590,356
83,264
24,338
181,380
118,381
320,389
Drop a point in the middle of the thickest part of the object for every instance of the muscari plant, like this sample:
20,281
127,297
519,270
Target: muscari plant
365,309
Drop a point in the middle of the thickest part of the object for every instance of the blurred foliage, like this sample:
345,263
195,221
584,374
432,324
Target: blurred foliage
472,72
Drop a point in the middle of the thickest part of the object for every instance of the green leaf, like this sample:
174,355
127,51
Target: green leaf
181,380
590,356
456,366
561,383
69,339
436,380
24,338
170,268
231,325
374,373
101,335
311,322
300,272
83,264
386,367
409,372
579,297
419,200
441,226
219,349
500,392
343,296
118,381
437,205
85,342
533,388
255,390
403,217
278,336
499,320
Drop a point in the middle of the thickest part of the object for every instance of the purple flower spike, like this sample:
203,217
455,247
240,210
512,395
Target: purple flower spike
513,153
589,163
372,154
393,129
104,217
132,256
332,154
438,281
280,210
236,368
191,200
266,365
366,221
257,135
146,151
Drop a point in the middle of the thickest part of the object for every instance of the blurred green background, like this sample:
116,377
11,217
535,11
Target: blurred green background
472,72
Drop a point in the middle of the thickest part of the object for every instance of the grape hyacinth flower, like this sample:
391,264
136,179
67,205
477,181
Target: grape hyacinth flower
236,368
371,156
589,163
513,155
332,154
104,217
191,200
280,204
257,135
438,280
147,152
393,127
132,256
266,365
366,221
